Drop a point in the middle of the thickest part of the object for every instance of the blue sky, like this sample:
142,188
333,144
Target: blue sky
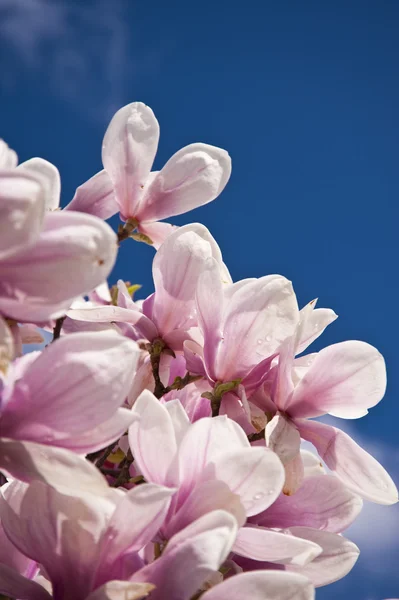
304,96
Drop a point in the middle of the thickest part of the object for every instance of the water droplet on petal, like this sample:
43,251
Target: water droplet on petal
268,338
258,496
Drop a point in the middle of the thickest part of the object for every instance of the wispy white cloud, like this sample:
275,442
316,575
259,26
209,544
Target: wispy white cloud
79,51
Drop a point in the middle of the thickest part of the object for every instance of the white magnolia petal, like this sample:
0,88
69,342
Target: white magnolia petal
129,147
263,585
49,176
267,545
22,203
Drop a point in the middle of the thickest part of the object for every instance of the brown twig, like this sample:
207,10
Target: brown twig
57,328
105,455
124,474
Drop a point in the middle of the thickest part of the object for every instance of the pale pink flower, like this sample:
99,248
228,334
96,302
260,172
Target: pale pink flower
243,326
170,313
343,380
194,176
46,260
89,545
213,466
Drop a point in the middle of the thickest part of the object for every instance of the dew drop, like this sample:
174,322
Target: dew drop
268,338
258,496
259,342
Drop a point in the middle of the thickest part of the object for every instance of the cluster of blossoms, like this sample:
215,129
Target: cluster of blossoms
153,448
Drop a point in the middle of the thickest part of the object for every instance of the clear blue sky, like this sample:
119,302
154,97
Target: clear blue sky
304,96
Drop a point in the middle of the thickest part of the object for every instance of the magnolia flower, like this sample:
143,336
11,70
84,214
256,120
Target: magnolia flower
243,326
213,466
46,260
194,176
344,380
170,313
67,397
90,546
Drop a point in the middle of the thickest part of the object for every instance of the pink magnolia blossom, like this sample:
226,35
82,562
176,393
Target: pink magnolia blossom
44,413
243,326
214,467
344,380
46,260
170,313
96,547
194,176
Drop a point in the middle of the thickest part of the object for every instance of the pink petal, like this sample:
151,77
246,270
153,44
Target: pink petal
315,324
101,436
205,441
135,522
194,176
129,147
153,422
100,368
258,318
322,502
262,585
354,466
49,177
210,306
14,585
75,253
10,555
176,269
143,380
311,464
235,410
272,546
95,197
283,438
337,558
255,474
294,474
45,527
206,497
157,232
344,379
21,211
194,358
283,385
58,467
192,556
179,418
